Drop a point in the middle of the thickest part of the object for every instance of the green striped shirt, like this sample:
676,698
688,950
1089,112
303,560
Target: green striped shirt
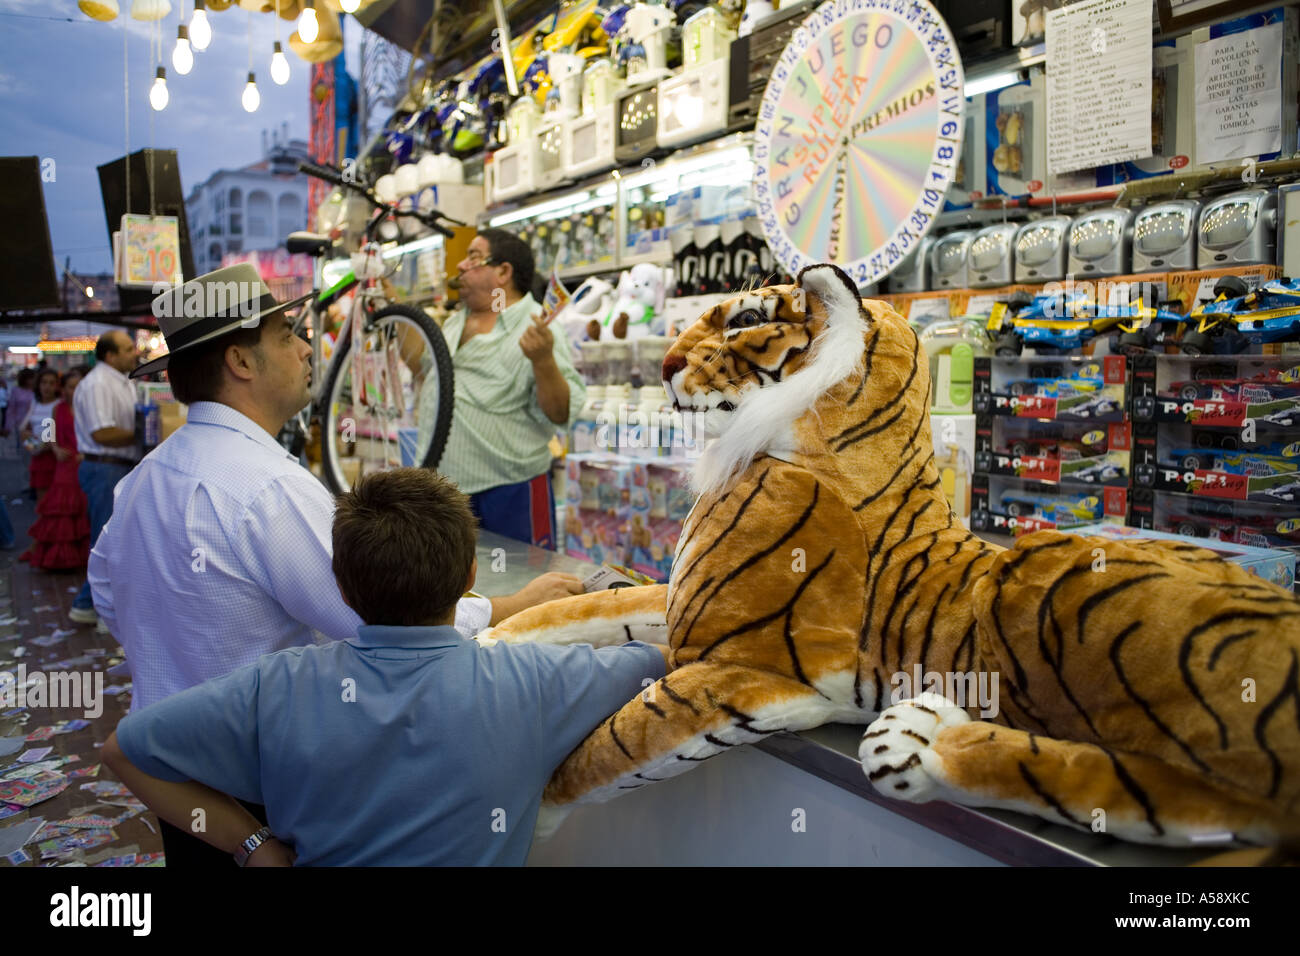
499,433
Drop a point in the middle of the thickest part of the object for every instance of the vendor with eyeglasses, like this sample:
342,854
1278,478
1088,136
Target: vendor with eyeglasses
515,387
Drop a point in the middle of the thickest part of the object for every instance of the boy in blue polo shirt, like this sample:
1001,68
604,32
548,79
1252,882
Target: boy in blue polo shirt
406,745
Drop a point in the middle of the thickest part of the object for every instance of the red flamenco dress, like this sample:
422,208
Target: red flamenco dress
61,535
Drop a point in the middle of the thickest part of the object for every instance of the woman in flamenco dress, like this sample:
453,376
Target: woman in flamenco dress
34,430
61,533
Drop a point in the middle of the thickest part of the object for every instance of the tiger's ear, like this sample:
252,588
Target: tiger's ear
833,287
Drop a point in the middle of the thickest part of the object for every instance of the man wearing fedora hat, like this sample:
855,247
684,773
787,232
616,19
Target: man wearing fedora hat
220,548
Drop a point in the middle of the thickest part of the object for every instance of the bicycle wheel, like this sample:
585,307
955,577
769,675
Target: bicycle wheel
401,413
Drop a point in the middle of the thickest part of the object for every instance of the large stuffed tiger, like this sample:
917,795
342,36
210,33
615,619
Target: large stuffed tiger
1150,682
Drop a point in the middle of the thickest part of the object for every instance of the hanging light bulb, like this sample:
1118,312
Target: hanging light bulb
200,29
307,25
251,98
149,10
182,56
349,6
99,9
279,66
158,92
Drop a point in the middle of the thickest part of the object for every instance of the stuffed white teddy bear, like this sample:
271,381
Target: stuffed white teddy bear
755,12
588,305
639,309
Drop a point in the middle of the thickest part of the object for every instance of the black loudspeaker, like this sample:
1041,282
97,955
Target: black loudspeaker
981,27
156,167
27,273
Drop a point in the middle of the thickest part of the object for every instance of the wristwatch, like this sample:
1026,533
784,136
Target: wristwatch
252,843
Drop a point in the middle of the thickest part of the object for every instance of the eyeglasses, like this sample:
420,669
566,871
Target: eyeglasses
477,259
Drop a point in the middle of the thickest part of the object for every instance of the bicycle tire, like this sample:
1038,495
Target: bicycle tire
446,392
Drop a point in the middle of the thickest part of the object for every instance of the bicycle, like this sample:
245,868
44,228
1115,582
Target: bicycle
389,402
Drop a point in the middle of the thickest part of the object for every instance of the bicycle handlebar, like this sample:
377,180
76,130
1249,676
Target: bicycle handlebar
429,219
329,175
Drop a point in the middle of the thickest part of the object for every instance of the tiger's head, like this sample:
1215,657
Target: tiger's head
794,370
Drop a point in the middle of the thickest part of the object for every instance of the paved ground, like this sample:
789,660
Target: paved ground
35,605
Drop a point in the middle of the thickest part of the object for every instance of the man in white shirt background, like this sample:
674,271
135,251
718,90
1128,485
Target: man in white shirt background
219,549
104,416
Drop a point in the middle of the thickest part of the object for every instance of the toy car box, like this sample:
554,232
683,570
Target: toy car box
1221,392
1258,524
1263,465
1052,387
1054,451
1015,506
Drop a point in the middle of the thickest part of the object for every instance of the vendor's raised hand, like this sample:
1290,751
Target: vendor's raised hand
537,341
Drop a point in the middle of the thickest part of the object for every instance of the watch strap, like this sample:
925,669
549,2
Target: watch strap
252,843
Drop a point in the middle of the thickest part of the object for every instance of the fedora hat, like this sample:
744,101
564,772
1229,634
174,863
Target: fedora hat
205,308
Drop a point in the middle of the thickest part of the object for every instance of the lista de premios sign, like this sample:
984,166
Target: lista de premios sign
859,136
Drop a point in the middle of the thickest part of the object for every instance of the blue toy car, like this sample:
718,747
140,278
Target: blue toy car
1238,317
1050,380
1061,322
1055,508
1252,462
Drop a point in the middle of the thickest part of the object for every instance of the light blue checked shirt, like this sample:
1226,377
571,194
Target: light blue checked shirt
219,551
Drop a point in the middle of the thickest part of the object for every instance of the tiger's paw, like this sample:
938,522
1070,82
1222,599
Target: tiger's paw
896,751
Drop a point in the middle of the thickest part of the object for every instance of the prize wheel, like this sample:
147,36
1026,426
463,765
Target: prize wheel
859,136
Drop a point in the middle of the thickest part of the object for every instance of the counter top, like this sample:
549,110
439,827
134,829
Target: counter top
830,753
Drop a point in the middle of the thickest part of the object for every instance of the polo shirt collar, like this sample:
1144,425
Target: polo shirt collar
223,416
383,635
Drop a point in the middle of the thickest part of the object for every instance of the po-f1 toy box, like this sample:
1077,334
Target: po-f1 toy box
1270,564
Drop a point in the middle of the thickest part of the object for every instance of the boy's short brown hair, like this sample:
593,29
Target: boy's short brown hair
404,543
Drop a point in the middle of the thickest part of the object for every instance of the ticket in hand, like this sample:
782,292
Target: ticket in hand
608,577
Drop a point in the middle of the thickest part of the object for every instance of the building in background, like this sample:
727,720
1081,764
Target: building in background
236,211
88,292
